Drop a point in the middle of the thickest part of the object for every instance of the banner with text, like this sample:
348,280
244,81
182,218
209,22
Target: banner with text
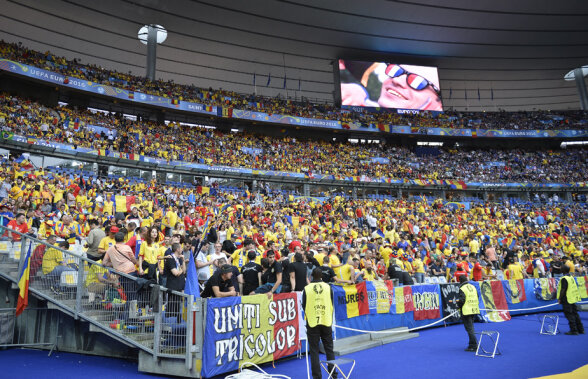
249,329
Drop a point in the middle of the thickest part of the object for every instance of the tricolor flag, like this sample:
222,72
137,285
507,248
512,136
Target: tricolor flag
23,283
514,291
131,95
123,204
402,302
350,301
175,101
492,295
545,288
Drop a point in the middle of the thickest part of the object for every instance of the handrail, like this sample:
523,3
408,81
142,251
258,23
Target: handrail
115,305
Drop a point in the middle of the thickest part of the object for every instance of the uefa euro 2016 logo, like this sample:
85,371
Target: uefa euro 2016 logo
318,289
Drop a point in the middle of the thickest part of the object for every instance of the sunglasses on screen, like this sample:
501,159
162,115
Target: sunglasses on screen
414,81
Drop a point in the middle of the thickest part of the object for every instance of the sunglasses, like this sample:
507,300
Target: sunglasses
414,81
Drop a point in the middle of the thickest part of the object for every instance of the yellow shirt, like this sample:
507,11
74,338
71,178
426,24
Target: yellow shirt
171,218
367,276
418,266
344,272
516,271
106,243
150,253
51,259
94,273
334,260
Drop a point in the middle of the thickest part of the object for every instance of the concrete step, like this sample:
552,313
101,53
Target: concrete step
348,348
365,341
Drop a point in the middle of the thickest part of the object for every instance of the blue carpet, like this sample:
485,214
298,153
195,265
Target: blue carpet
437,353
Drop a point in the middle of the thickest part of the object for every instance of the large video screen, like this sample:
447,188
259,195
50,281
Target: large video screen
389,85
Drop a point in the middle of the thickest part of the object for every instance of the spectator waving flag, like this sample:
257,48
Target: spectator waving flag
23,283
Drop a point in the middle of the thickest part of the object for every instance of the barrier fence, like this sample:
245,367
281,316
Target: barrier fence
131,309
35,327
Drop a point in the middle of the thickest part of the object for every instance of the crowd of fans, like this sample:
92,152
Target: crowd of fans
274,105
190,144
241,246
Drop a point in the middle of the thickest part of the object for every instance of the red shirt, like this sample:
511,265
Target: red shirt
458,274
477,272
22,228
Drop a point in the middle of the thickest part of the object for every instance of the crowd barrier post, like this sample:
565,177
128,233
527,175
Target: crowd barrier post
80,289
189,330
157,311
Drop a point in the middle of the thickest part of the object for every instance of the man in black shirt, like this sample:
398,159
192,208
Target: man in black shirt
394,271
328,273
297,273
220,284
556,266
251,272
274,276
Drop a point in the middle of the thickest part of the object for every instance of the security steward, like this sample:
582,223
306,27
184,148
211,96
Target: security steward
317,302
468,303
568,295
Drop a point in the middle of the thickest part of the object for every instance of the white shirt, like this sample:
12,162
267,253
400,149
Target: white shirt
204,272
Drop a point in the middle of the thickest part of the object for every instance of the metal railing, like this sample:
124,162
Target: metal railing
131,309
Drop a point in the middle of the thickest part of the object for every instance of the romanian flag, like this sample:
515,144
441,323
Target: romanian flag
133,156
202,190
31,140
175,101
228,112
493,298
209,108
402,300
474,133
457,184
350,301
345,125
414,130
384,128
260,330
514,291
23,283
545,288
131,95
123,204
582,282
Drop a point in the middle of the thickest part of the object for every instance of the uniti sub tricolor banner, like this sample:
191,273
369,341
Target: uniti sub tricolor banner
249,329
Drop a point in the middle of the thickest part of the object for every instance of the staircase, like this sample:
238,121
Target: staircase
139,321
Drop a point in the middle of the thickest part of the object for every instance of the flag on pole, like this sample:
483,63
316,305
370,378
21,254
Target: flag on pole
478,93
299,84
465,94
23,283
254,79
284,81
269,79
492,93
450,92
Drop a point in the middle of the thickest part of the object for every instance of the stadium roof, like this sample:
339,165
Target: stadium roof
515,52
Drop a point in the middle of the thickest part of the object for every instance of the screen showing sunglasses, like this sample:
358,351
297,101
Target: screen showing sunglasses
414,81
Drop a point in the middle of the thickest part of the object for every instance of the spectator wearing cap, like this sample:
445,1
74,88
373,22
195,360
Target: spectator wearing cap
108,241
220,283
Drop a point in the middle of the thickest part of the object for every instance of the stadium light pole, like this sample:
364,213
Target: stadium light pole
152,35
578,75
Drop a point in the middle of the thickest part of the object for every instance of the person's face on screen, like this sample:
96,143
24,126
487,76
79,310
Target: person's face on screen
396,93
